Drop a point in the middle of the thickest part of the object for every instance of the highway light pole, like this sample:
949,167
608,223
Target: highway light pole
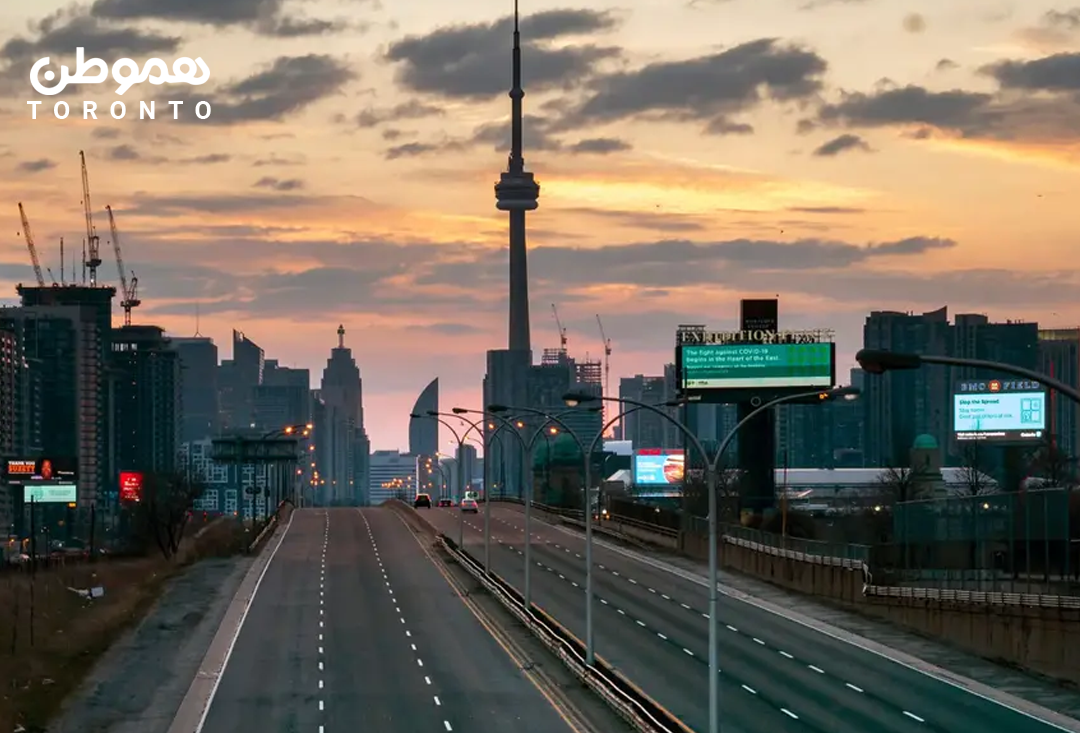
877,361
496,411
711,468
590,644
459,411
460,438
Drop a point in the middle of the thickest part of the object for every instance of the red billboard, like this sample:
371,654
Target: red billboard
131,486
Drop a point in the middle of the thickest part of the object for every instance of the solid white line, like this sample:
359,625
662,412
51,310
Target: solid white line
240,626
908,661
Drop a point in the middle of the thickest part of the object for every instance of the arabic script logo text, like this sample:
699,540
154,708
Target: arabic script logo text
126,74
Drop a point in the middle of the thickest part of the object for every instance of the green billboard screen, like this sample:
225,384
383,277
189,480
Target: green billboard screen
756,366
50,493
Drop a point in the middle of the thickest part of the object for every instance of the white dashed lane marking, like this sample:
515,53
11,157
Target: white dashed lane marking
401,617
663,637
322,593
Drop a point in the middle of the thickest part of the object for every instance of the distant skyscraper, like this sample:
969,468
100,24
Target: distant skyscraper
283,398
392,476
146,400
1059,357
237,380
342,391
199,387
424,432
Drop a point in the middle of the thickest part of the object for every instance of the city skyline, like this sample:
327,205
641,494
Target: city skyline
649,224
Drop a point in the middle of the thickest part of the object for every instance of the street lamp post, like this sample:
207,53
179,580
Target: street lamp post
460,437
877,361
503,422
711,467
497,409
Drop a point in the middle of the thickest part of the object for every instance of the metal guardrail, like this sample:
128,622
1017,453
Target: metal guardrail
1030,600
623,696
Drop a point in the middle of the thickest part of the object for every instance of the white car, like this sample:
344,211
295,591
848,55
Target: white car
470,506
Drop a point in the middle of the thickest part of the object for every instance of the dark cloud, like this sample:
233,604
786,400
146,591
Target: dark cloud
841,144
59,34
277,160
650,264
105,133
1068,20
62,32
209,159
826,210
600,146
534,132
657,222
1057,73
471,61
1037,100
818,4
411,110
413,150
266,17
129,154
914,23
289,85
278,184
946,65
150,205
709,89
36,166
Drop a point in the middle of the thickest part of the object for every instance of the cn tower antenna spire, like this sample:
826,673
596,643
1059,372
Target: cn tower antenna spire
517,158
517,192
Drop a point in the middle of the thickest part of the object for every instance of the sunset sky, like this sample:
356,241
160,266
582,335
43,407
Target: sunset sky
847,155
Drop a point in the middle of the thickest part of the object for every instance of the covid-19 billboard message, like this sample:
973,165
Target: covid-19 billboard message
729,366
999,411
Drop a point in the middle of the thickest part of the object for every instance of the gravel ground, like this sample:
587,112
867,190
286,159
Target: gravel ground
139,683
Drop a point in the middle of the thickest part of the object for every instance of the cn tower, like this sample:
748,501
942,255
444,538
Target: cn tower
517,192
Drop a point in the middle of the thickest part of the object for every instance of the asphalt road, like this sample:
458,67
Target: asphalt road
354,629
776,675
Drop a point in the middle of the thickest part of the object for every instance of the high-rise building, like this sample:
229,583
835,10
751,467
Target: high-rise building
199,387
20,412
900,405
348,446
146,399
67,329
1059,357
424,431
237,379
392,476
283,398
644,428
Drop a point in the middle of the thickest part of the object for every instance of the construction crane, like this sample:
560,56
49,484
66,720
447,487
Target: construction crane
562,331
607,359
93,242
29,237
128,289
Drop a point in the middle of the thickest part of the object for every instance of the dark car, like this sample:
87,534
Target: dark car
446,502
422,500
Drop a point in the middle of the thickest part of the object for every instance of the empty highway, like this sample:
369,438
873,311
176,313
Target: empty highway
354,628
777,675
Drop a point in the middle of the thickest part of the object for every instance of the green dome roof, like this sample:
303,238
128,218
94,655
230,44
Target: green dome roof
925,442
564,452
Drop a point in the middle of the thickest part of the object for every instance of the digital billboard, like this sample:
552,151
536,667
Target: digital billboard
50,494
729,366
19,471
658,467
131,486
999,411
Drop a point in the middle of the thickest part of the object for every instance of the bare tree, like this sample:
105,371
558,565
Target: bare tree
165,507
897,484
1051,464
972,470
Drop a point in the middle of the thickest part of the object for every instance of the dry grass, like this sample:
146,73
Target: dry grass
50,637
